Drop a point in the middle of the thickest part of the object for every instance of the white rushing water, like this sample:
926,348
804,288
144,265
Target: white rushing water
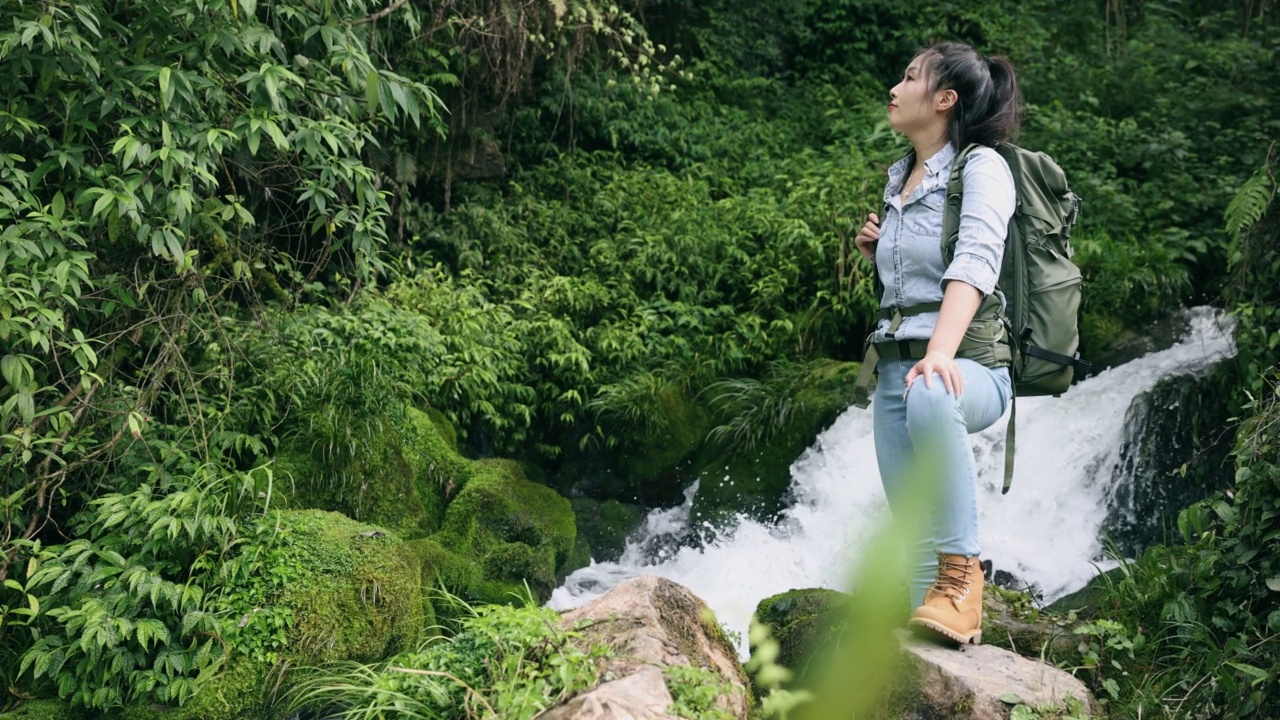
1045,531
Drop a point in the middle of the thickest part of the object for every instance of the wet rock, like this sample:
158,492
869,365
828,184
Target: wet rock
934,681
804,622
981,682
606,525
1176,453
651,623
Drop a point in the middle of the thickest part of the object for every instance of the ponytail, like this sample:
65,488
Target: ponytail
988,108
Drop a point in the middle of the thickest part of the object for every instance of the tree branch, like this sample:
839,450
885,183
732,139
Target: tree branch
381,13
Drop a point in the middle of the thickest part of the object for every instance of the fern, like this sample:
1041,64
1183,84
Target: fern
1251,202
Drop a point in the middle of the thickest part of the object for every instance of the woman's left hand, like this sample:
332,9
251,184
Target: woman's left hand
944,365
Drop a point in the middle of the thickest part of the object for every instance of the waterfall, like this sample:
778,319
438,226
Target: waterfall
1045,531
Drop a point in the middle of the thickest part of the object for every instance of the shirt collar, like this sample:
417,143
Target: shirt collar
941,160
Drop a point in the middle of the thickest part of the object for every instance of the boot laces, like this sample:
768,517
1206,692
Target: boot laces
953,579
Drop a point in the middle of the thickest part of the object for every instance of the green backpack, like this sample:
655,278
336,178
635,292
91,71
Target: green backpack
1042,287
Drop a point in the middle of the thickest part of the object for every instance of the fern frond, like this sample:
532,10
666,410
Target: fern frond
1250,202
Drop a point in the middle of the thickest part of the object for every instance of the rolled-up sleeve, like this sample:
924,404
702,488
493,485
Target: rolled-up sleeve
988,203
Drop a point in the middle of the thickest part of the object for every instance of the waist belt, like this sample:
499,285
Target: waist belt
902,349
985,342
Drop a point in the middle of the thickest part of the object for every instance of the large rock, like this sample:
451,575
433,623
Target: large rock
814,628
651,623
328,590
980,682
516,531
400,480
642,695
804,622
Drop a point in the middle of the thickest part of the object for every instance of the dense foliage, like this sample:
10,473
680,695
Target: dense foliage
230,229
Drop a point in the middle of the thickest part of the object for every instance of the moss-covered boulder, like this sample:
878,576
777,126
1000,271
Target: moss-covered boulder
604,526
400,480
803,622
755,480
326,589
500,532
42,710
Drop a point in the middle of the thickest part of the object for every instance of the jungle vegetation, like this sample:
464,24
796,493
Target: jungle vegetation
234,234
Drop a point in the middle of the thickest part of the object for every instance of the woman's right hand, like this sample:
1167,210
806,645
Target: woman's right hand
868,236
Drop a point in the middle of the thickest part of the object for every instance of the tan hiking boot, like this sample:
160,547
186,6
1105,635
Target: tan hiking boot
952,606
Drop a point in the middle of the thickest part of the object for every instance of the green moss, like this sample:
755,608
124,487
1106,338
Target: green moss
401,481
416,484
803,623
533,564
42,710
498,507
442,568
439,471
346,591
360,595
755,482
446,430
580,557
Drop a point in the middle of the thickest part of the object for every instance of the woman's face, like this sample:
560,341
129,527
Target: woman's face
912,107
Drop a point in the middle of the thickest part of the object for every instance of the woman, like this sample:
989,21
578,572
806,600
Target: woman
949,98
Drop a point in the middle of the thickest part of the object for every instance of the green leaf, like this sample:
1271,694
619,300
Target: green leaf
1011,699
166,87
371,91
1273,584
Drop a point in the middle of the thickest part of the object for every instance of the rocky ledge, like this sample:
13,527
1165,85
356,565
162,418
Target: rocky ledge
660,631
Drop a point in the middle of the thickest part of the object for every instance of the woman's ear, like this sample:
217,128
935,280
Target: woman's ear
946,99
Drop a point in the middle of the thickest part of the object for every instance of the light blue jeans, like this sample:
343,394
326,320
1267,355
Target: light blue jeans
905,419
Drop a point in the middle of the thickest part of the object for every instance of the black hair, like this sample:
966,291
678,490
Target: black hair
988,109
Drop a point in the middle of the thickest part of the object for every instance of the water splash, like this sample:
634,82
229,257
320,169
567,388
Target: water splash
1045,531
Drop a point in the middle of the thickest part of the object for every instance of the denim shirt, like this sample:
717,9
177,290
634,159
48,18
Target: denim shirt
909,253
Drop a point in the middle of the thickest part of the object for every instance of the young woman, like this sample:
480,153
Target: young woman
949,98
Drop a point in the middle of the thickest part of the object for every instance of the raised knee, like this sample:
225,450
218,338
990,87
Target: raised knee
929,404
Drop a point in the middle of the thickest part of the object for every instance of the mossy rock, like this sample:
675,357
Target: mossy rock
359,596
654,464
238,692
401,480
579,557
43,710
452,583
476,510
605,526
756,481
353,593
803,622
500,532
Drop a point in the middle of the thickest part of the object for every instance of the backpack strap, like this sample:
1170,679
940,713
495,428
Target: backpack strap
1009,431
989,312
